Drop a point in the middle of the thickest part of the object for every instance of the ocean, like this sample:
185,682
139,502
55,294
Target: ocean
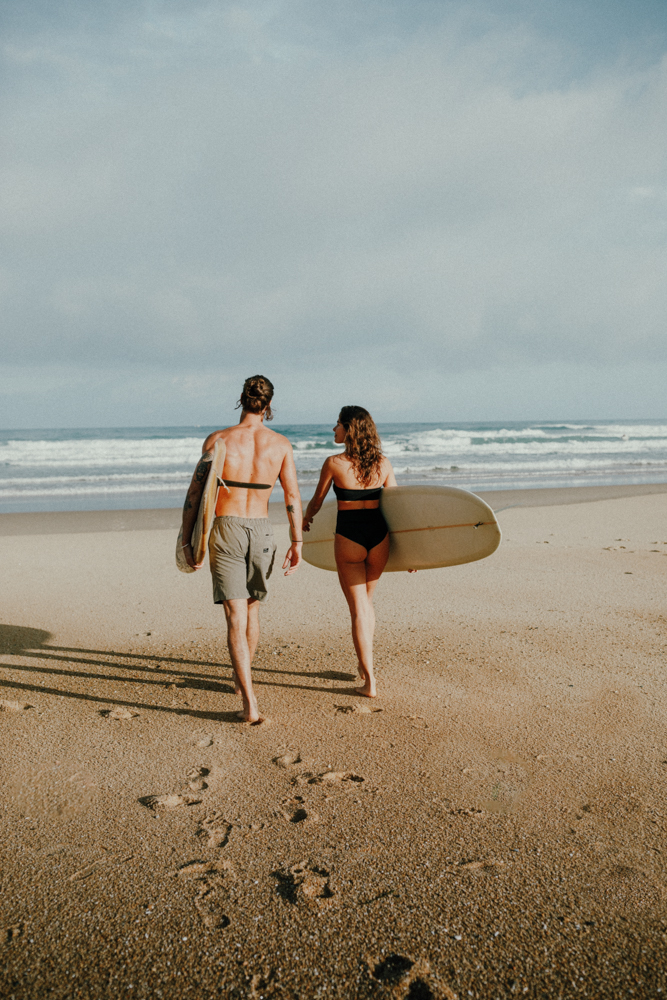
139,467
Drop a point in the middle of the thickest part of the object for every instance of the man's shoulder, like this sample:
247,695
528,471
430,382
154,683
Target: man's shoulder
215,436
276,439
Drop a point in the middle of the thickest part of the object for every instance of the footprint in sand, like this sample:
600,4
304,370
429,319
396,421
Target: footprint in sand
262,985
13,706
214,830
157,802
211,908
12,932
196,779
119,714
412,979
211,896
474,866
288,759
206,742
335,778
305,884
294,810
356,710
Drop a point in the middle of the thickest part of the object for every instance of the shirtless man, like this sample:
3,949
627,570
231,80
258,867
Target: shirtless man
241,547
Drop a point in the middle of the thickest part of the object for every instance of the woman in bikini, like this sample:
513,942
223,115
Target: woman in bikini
362,537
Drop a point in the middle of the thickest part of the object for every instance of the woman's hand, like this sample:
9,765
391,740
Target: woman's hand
307,521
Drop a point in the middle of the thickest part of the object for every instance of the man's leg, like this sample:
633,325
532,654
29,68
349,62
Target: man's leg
242,634
252,636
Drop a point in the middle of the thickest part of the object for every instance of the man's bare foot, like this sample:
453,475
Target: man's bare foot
368,690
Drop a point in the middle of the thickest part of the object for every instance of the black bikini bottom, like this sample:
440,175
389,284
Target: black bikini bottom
366,527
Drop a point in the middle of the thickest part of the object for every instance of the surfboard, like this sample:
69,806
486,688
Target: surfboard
206,512
429,527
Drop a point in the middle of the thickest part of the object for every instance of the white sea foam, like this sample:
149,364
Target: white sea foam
119,467
101,452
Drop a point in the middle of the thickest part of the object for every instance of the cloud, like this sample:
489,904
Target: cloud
437,192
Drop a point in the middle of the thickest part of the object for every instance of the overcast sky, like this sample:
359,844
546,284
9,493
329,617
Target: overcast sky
440,210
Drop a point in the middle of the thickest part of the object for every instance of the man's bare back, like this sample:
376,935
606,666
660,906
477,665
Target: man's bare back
255,455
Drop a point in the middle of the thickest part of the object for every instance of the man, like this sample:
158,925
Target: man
241,547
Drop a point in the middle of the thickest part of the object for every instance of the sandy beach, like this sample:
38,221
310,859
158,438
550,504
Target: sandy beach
492,825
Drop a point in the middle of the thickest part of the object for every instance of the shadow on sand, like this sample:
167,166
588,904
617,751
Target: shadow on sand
146,669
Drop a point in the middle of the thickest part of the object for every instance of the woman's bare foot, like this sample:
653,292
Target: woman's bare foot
251,722
250,712
368,690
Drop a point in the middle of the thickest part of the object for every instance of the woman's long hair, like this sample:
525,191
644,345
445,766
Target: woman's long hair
362,443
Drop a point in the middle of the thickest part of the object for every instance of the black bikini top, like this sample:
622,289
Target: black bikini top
343,494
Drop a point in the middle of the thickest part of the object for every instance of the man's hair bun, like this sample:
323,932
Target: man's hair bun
257,395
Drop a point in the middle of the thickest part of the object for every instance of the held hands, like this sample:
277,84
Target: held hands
293,558
307,521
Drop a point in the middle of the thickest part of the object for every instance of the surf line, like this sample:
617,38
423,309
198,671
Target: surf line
402,531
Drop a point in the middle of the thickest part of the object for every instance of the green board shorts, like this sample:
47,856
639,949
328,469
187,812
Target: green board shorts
241,553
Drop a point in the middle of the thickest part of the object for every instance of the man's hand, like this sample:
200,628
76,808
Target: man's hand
189,558
293,558
307,521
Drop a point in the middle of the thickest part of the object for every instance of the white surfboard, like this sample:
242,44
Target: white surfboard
206,512
429,527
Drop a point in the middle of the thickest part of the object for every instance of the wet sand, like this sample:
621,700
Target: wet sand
493,825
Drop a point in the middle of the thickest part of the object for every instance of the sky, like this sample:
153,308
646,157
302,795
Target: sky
438,209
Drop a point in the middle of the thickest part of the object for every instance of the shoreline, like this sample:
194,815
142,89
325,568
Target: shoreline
72,522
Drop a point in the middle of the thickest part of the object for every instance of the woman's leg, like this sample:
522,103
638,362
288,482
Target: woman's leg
359,572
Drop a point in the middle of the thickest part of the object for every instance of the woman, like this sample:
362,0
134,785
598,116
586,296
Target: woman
362,536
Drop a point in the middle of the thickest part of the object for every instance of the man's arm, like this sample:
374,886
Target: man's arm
191,507
290,487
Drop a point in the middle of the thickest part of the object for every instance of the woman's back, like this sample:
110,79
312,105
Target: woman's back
345,475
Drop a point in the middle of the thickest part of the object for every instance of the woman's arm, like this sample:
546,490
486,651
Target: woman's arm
326,478
388,473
